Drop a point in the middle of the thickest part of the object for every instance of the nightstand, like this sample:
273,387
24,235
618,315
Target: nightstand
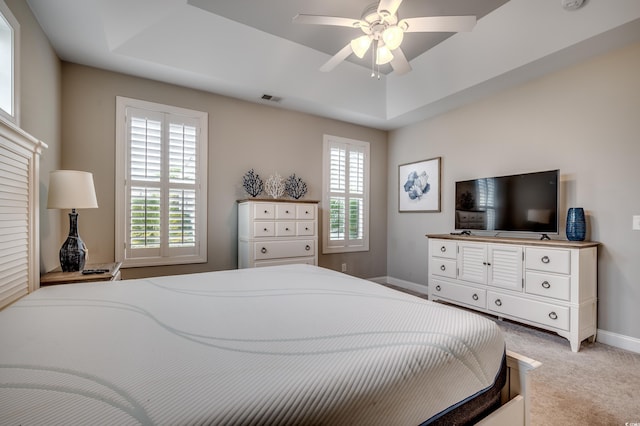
58,277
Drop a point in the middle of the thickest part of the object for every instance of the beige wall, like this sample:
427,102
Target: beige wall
40,116
242,136
584,120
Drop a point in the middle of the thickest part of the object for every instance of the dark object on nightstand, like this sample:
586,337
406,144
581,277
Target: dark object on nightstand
94,271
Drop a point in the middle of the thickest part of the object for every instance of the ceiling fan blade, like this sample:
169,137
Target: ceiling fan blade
327,20
390,6
337,58
399,62
439,24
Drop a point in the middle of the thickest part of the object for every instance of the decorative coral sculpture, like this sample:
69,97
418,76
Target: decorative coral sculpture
252,183
275,186
295,187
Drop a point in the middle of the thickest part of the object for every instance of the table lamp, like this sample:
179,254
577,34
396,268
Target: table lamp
71,189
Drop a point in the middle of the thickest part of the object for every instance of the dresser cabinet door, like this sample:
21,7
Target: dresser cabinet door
505,266
472,262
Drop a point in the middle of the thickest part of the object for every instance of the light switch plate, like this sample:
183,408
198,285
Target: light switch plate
636,223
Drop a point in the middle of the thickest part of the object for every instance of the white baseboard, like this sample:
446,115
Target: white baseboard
418,288
607,337
618,340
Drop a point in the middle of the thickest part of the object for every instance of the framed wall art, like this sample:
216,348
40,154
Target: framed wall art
419,186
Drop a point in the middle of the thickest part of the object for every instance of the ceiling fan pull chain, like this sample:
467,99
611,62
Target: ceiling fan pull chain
373,57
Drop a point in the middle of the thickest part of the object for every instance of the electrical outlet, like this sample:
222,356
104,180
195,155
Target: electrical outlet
636,223
344,267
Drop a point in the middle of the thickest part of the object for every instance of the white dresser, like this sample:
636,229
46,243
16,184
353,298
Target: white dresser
277,232
547,284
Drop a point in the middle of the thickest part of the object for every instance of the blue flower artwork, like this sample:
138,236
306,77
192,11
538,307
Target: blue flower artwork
417,185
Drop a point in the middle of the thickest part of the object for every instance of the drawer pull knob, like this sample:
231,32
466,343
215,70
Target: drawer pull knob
553,315
263,250
474,297
266,211
443,268
307,247
443,249
306,228
438,288
306,212
498,302
545,259
545,284
286,211
265,229
286,229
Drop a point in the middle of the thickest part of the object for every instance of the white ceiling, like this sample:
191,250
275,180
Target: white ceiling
247,48
276,18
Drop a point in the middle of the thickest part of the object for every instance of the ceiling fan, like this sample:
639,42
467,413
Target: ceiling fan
383,30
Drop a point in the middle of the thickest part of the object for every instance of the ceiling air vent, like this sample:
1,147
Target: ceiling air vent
271,98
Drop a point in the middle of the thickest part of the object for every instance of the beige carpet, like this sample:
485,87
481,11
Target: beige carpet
599,385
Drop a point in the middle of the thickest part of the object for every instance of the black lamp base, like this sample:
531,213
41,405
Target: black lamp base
73,253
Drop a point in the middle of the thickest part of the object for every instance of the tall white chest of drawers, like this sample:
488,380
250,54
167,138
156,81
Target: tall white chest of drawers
547,284
277,232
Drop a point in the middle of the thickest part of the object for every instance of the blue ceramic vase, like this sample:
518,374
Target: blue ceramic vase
576,224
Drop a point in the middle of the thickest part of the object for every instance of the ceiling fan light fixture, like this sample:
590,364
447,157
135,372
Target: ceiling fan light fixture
360,45
383,55
392,37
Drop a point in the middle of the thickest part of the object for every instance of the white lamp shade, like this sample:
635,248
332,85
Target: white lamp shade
384,55
392,37
360,45
71,189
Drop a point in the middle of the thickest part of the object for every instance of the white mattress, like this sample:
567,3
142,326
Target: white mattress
291,344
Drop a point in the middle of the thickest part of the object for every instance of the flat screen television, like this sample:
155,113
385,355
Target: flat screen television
525,202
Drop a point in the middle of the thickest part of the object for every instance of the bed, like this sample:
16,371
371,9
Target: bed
294,344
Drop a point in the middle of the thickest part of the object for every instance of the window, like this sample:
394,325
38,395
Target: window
161,184
345,195
9,60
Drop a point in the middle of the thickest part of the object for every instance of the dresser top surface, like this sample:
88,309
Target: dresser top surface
509,240
277,200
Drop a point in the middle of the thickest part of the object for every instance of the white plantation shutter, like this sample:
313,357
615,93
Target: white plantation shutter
345,195
337,194
19,264
163,152
182,218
